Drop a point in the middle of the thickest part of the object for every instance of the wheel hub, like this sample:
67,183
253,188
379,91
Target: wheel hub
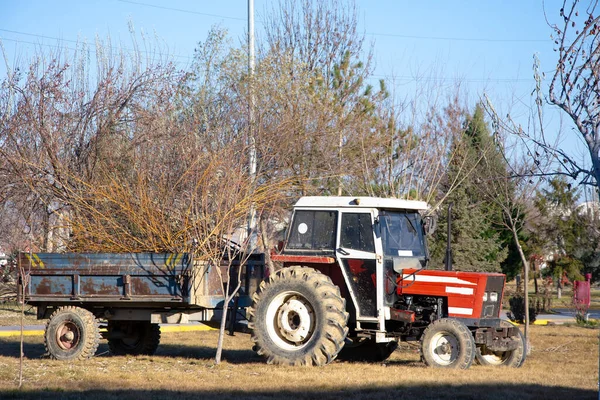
67,335
294,320
445,348
290,320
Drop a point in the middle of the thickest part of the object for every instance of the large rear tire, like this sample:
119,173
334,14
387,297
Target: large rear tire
72,333
133,338
513,358
447,343
298,317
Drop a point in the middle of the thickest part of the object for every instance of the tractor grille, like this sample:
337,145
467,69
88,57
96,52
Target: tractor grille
493,303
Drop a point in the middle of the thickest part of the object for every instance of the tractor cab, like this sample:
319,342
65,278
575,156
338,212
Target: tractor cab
392,230
362,244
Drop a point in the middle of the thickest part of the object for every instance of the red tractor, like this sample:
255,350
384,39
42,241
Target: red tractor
354,282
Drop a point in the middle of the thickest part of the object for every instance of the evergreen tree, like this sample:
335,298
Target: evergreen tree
476,241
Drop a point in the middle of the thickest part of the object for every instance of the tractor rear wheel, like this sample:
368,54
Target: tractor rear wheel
133,337
298,317
513,358
447,343
72,333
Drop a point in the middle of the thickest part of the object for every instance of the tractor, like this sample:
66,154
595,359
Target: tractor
356,279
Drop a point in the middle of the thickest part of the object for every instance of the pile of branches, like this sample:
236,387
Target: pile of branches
8,284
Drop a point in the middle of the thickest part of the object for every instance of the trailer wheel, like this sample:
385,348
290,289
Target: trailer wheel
72,333
367,350
447,343
513,358
298,317
133,338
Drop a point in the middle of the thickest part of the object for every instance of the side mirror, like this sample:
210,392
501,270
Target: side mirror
430,224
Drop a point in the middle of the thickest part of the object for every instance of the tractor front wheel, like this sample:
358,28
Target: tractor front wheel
447,343
298,317
513,358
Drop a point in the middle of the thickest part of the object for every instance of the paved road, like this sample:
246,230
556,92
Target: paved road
593,314
560,316
35,330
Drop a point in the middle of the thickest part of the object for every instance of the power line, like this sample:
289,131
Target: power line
390,78
458,39
367,33
180,10
38,44
74,41
437,78
40,36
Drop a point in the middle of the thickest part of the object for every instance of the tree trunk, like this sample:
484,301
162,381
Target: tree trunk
222,331
535,282
226,299
525,284
266,246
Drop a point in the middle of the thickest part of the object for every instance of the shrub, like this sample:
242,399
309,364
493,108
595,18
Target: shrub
517,310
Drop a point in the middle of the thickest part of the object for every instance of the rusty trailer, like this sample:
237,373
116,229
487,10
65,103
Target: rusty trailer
132,292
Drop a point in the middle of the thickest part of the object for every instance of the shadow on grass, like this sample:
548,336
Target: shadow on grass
233,356
206,353
491,391
9,347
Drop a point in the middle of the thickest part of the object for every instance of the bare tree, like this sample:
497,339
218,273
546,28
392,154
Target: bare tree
574,89
327,61
575,86
509,189
62,124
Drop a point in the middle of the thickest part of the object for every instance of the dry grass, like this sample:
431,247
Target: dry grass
563,364
10,315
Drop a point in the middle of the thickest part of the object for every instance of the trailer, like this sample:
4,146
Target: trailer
133,293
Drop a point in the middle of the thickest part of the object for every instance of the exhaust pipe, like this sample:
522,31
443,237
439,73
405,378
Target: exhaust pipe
448,259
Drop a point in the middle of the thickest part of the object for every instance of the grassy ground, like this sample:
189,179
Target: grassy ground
563,364
10,315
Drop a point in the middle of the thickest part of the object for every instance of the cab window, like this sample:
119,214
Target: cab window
357,232
313,230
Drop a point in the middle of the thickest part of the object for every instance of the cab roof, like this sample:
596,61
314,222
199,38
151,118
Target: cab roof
360,202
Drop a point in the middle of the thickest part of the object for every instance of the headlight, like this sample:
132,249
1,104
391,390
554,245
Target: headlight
485,296
493,296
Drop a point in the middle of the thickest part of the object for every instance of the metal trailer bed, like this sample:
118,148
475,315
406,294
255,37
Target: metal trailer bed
156,287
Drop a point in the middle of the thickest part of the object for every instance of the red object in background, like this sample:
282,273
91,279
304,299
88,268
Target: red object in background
565,279
581,293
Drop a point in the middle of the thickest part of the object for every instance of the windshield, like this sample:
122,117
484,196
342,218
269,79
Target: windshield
402,234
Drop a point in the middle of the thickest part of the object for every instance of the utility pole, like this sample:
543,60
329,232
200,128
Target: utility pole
251,139
526,297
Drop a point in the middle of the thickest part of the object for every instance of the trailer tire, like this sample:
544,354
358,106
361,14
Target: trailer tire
447,343
512,359
367,350
298,317
135,338
71,333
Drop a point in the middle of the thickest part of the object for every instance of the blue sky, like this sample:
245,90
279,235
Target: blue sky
475,40
486,45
